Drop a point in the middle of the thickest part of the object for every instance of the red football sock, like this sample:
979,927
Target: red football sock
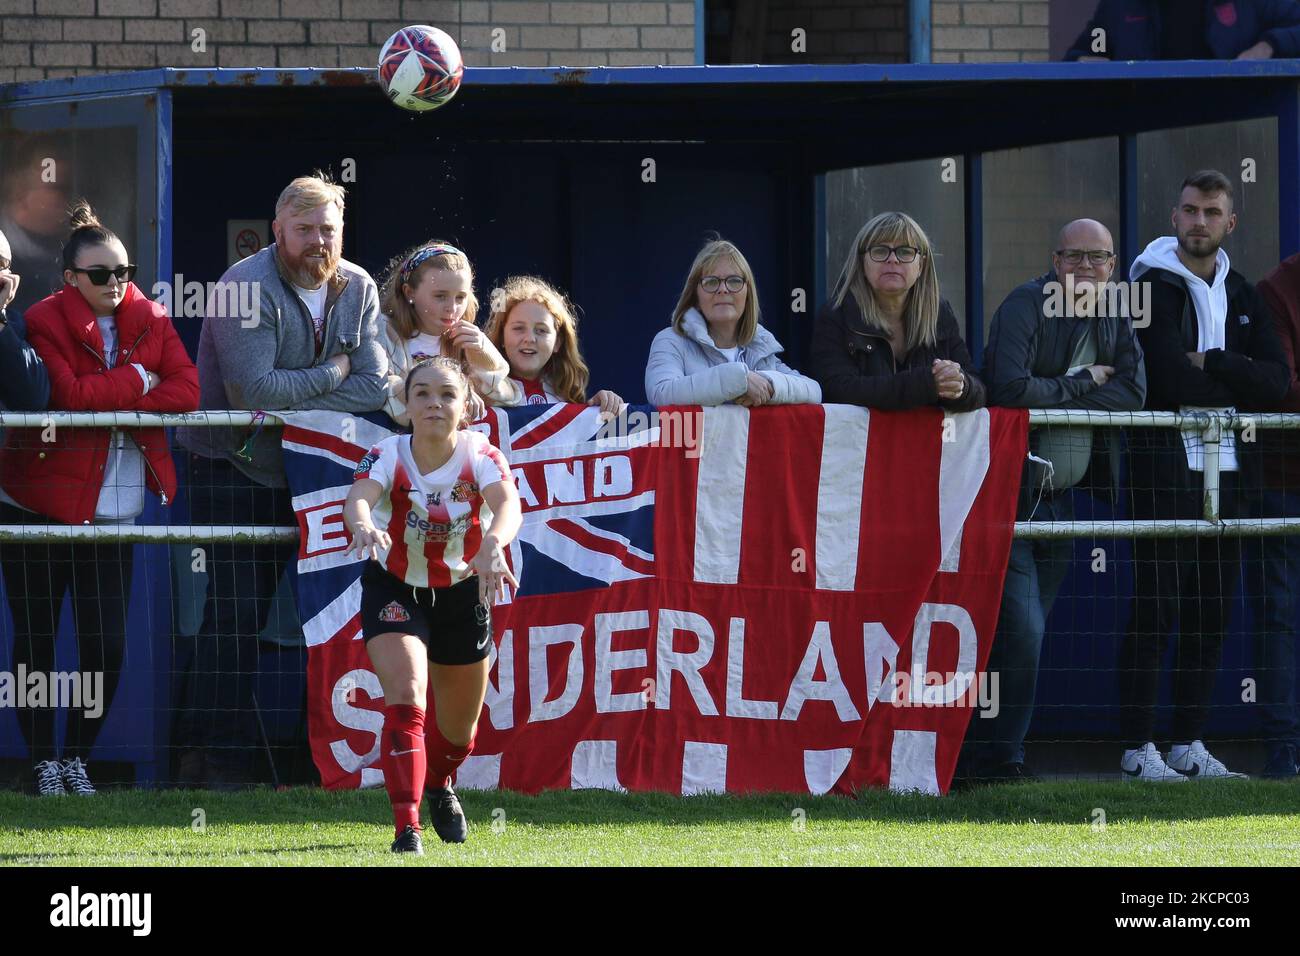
444,757
403,759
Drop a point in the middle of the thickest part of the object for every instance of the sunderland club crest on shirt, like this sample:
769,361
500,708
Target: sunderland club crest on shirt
464,491
393,613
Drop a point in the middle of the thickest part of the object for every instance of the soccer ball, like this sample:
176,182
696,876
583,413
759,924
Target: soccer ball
420,68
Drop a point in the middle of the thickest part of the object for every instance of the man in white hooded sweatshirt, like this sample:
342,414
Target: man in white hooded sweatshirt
1210,344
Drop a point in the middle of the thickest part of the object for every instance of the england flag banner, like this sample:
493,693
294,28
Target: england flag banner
788,598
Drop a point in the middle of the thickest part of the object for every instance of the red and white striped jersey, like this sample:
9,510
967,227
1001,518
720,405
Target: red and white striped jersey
435,520
536,391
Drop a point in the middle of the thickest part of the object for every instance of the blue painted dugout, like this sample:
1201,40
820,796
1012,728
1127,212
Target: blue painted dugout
549,171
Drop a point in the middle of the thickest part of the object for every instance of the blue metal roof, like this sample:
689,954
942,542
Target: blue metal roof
920,73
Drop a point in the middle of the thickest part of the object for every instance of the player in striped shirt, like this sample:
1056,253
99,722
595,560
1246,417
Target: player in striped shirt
418,507
534,326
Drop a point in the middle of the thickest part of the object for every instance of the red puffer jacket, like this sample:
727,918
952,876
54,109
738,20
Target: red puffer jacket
62,478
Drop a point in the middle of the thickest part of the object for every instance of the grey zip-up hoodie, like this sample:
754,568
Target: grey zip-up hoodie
690,370
273,366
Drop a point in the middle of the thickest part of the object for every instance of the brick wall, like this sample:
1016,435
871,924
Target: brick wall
989,31
837,31
51,38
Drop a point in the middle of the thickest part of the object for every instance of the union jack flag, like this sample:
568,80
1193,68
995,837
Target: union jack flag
585,493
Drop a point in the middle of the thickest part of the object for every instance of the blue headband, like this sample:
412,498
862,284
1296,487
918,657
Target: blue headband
424,254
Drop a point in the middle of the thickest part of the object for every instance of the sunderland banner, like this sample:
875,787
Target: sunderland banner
796,598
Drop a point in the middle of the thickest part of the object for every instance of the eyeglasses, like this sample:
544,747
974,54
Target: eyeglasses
98,275
1098,257
905,254
714,283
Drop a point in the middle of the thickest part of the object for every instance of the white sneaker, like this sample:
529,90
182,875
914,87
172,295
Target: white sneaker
49,778
1147,764
1194,762
74,775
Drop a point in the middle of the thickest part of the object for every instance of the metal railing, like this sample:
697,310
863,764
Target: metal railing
1211,426
152,534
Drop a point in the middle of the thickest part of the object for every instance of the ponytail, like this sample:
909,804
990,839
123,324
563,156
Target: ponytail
87,230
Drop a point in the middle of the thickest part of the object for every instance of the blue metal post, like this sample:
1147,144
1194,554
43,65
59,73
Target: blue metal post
699,32
974,202
148,773
819,290
1288,161
1129,240
163,178
918,31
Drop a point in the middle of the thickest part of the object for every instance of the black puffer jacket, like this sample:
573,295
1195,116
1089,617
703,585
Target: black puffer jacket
856,366
24,380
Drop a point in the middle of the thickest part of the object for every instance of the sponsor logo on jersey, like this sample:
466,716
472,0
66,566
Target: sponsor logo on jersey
439,530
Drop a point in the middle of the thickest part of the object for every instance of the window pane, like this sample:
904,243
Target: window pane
53,154
1029,194
919,189
1167,157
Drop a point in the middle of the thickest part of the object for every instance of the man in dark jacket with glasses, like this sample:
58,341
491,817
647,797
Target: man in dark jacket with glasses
1058,341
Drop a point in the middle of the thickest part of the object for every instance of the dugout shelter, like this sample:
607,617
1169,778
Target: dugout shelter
606,181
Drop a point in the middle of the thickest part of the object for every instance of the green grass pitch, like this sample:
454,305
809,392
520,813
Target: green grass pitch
1254,823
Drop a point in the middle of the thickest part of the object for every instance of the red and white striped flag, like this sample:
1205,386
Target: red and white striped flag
789,598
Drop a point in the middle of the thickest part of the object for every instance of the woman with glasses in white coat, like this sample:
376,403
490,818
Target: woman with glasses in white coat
716,352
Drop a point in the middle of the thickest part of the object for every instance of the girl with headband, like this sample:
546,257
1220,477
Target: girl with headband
428,296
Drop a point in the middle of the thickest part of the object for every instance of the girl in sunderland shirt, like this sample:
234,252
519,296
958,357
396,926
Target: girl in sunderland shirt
428,296
534,326
416,507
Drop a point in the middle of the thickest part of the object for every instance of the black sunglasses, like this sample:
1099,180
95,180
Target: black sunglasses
98,275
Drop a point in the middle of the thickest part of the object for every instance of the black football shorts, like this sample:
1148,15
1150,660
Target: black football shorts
454,626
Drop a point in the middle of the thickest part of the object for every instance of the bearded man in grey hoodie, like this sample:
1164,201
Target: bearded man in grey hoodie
312,341
1210,344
